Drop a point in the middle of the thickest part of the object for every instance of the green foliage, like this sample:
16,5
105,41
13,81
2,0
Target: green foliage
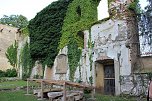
74,54
11,54
81,14
62,22
18,21
25,61
87,91
16,96
8,73
11,73
101,97
91,80
25,31
2,73
134,6
75,22
45,32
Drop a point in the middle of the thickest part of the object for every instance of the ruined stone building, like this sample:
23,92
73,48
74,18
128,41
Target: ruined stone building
114,56
115,52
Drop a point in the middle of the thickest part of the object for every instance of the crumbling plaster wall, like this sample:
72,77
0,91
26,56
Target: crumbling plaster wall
117,39
8,35
110,38
55,75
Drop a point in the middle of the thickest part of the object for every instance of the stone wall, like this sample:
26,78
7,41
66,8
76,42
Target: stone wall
8,35
134,85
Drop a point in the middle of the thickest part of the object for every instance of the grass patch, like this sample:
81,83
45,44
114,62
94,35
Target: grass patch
13,84
16,96
100,97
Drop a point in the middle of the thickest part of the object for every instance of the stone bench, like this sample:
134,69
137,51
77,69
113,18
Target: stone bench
53,95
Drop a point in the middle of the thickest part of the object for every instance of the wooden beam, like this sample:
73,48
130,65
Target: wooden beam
64,91
41,89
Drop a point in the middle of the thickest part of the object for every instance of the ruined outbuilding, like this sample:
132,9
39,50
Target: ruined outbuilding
115,56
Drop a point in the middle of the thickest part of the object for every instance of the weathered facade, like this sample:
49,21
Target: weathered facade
8,35
110,64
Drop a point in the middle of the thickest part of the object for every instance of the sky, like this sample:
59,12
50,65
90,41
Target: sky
143,3
29,8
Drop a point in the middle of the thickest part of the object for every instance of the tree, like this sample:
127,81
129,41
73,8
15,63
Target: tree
145,29
11,54
18,21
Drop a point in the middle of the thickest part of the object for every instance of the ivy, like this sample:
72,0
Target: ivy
74,54
80,16
91,80
25,31
11,54
134,6
58,25
90,45
75,22
45,32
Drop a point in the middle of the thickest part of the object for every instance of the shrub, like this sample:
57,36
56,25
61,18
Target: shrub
25,76
11,73
2,73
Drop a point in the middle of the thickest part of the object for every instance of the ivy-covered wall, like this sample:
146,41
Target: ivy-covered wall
80,16
45,31
58,25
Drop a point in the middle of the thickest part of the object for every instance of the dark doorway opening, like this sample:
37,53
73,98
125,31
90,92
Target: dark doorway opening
109,80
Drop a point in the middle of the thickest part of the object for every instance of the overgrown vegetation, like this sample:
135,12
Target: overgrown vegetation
81,14
8,73
134,6
11,54
45,32
26,61
61,19
100,97
74,56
